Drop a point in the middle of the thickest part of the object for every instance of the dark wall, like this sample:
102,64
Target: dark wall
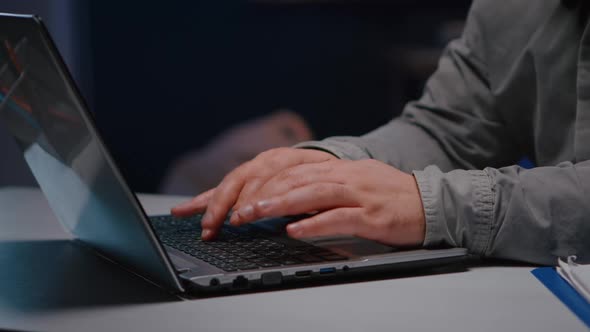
171,75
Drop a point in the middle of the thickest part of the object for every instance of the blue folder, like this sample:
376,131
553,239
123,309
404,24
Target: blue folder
566,293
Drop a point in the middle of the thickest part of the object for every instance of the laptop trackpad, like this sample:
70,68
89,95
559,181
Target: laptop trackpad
181,263
343,245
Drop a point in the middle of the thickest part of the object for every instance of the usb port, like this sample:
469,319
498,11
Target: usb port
327,270
301,274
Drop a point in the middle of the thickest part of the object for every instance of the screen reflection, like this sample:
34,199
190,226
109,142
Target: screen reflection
42,111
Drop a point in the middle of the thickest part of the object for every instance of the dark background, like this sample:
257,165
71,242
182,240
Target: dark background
164,77
168,78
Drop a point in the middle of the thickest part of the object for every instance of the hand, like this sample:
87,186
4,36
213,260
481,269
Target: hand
242,183
366,198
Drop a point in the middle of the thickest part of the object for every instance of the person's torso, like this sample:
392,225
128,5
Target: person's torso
539,72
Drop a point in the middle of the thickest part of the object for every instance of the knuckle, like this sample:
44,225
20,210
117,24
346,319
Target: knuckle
286,174
339,191
269,160
278,204
323,190
330,190
374,223
290,177
252,184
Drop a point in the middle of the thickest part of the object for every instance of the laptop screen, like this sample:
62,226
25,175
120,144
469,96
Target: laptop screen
42,110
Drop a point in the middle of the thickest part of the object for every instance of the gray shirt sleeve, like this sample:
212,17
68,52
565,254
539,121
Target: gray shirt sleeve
453,125
532,215
455,142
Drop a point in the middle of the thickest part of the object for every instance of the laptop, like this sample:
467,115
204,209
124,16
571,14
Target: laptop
42,108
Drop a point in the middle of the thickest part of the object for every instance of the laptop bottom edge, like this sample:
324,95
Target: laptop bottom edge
317,275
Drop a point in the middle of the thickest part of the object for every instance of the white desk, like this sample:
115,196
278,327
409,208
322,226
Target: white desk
483,298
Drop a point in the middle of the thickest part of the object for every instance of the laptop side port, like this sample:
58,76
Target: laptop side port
327,270
272,278
303,274
240,282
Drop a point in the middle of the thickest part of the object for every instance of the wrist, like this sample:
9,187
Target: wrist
419,215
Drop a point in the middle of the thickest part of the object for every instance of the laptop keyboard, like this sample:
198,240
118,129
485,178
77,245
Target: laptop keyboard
237,249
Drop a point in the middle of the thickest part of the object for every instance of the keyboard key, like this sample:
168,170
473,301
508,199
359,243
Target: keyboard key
237,248
288,262
269,264
247,266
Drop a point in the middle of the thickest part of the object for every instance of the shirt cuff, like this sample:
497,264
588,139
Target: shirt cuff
338,146
458,207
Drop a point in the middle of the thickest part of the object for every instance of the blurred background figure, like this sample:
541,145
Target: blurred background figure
185,91
204,168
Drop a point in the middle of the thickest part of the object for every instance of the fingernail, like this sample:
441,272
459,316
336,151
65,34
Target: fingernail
247,212
295,229
205,234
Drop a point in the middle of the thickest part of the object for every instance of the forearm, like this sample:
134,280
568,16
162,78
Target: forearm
403,145
453,125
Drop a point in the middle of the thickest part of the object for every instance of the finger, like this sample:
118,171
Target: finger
340,221
310,198
264,166
245,196
223,199
196,205
248,191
